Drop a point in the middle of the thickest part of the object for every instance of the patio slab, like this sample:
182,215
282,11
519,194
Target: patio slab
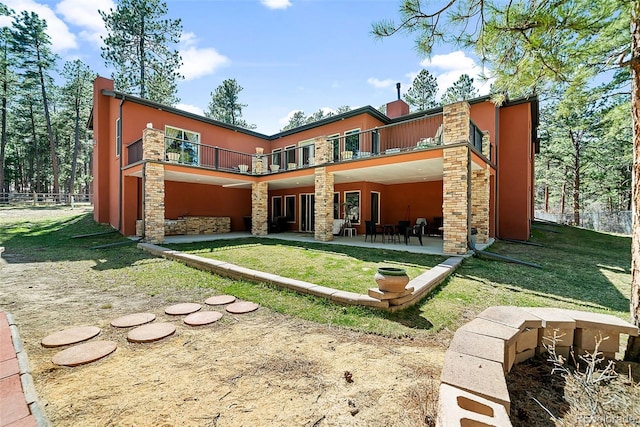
131,320
151,332
84,353
220,300
70,336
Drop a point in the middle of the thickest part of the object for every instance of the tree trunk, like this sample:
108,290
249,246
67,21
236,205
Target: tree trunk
76,147
576,178
52,144
143,88
3,138
633,346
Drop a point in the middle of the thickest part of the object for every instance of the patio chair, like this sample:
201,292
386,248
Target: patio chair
404,228
435,226
371,231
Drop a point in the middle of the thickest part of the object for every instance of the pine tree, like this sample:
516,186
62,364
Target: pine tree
225,105
32,47
461,90
5,77
422,93
140,45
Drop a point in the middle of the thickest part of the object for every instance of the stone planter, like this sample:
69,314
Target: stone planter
173,157
274,168
243,168
391,279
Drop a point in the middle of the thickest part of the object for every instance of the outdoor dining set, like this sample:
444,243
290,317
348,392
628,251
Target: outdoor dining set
392,233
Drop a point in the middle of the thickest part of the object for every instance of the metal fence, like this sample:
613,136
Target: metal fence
610,222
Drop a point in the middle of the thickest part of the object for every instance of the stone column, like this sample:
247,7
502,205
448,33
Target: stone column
153,185
323,227
322,151
480,204
455,200
259,208
153,202
152,144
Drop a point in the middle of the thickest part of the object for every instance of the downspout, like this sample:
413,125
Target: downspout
496,138
119,130
469,210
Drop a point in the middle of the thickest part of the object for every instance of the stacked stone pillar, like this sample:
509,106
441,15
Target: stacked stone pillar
259,208
455,200
480,204
323,227
321,151
486,145
153,185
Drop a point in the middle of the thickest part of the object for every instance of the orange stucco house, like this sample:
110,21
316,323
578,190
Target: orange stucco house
468,165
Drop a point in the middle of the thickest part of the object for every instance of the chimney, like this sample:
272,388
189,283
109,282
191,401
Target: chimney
398,107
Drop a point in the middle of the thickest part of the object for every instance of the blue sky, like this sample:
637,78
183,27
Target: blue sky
288,55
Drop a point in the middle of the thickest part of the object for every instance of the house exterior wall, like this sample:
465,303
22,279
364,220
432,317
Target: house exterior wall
514,176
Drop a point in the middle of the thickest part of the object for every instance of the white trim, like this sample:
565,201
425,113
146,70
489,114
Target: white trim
273,213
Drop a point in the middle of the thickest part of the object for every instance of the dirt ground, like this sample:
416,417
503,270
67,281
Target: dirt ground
256,369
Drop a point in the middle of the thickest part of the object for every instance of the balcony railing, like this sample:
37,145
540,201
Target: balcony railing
417,134
421,133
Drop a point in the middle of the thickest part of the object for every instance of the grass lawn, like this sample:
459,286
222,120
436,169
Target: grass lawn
347,268
582,270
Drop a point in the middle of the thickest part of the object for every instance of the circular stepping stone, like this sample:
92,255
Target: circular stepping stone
70,336
242,307
184,308
84,353
130,320
151,332
220,300
202,318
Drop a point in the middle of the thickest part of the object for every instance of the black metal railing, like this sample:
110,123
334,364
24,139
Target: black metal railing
134,152
421,133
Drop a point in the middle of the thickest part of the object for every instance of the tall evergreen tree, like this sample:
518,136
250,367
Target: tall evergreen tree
422,93
140,45
32,47
462,89
532,45
297,119
5,77
77,95
225,104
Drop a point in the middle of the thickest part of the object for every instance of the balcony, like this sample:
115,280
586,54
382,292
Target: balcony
422,133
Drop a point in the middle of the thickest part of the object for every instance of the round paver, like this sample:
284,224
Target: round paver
131,320
184,308
220,300
84,353
151,332
242,307
202,318
70,336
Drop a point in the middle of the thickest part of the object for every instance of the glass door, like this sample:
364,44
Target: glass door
307,212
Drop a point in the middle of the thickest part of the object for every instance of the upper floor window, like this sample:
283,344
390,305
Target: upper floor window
352,141
183,142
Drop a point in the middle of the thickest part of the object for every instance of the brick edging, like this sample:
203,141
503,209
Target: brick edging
26,380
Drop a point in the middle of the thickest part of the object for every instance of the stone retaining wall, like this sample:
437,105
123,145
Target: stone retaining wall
473,389
192,225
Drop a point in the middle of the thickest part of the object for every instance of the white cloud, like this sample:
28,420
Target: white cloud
276,4
191,109
451,66
85,15
380,84
61,38
198,62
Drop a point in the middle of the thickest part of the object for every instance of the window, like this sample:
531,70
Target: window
118,137
307,153
290,208
352,206
352,141
336,205
276,207
334,144
276,155
290,156
183,142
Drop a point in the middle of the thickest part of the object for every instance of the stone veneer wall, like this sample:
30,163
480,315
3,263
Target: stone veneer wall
323,227
153,185
153,202
206,224
456,118
486,145
259,209
322,151
480,204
